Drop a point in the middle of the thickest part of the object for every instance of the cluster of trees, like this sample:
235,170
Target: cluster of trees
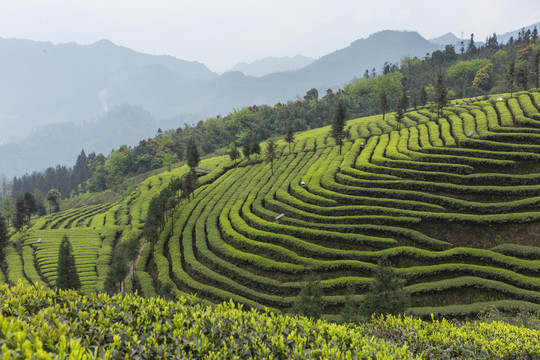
471,71
386,295
28,205
67,180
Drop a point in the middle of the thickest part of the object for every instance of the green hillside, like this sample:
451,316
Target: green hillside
452,201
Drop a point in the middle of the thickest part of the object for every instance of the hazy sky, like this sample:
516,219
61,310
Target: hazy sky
221,33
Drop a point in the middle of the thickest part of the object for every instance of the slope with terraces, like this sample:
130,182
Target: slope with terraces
452,201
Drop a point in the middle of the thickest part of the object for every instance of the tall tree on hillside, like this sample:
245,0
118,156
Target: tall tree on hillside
4,186
289,137
234,154
338,131
247,149
536,67
31,205
386,294
20,214
383,104
170,208
271,153
189,184
192,154
310,302
441,95
404,101
116,166
471,47
422,97
118,270
256,149
522,77
66,274
4,235
53,198
167,158
8,210
403,105
81,171
40,204
511,76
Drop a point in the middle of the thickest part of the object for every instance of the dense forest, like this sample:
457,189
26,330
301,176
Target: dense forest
470,70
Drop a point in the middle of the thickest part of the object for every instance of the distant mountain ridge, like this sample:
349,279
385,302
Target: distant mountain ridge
43,83
272,64
446,39
342,66
451,39
506,36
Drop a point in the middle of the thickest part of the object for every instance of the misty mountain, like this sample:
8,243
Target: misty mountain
272,64
342,66
446,39
44,83
56,144
330,71
505,37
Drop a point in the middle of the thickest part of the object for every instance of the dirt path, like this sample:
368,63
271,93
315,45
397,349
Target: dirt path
131,271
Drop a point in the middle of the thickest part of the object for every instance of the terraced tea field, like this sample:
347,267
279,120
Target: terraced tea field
453,202
93,231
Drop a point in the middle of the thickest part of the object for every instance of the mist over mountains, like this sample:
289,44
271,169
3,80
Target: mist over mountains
272,64
44,84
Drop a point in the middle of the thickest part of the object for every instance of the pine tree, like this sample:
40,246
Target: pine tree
310,301
256,149
117,273
271,153
522,77
189,184
31,205
441,95
471,47
4,235
511,75
67,276
192,154
21,213
404,101
403,104
234,154
383,104
349,312
386,294
247,149
422,98
536,67
338,131
8,210
289,137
